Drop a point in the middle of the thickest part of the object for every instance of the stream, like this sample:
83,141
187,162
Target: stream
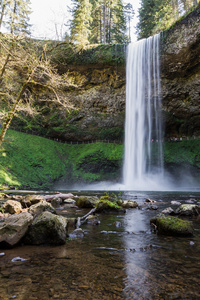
121,258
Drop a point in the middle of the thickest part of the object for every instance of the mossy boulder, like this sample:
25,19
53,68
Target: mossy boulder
172,226
87,201
104,205
128,204
47,228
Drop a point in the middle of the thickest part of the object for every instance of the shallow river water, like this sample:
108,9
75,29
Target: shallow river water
118,259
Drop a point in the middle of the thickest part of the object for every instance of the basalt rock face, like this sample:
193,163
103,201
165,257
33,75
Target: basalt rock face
180,71
99,95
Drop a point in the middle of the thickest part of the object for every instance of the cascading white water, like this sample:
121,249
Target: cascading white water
143,127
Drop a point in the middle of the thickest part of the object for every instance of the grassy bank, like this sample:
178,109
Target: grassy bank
28,161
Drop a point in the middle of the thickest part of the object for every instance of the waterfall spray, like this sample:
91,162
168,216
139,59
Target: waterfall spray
143,127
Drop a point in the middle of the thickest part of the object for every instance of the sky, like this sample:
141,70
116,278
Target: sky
49,16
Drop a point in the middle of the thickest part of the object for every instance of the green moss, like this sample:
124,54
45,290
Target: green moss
183,152
69,53
174,226
29,161
106,205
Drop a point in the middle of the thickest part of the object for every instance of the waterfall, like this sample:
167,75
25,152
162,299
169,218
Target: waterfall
143,157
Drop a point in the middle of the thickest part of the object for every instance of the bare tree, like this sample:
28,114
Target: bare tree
26,68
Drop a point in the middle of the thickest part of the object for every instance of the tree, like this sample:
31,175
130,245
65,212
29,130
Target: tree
129,13
80,24
26,70
109,22
15,15
157,15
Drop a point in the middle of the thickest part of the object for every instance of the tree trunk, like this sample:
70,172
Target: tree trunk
104,22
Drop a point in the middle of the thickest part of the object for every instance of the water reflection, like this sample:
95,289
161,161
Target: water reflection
160,267
118,259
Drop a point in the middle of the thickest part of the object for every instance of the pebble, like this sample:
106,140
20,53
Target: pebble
18,259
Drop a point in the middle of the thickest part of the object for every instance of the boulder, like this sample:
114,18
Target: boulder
86,201
41,207
56,201
172,226
12,207
168,211
29,200
188,210
13,228
70,201
105,206
129,204
47,228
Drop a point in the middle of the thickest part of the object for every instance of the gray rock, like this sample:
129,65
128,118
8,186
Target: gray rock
13,228
168,211
188,210
47,228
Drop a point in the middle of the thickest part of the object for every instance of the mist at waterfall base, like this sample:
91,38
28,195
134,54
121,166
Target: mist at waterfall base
143,168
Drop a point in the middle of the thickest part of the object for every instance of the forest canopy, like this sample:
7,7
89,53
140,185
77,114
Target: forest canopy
157,15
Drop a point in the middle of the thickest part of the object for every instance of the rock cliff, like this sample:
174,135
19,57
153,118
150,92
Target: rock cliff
180,70
97,91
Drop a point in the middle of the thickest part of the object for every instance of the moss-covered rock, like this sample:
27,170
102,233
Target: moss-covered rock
104,205
87,201
129,204
47,228
172,226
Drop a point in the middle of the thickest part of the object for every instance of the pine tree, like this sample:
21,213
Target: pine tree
109,22
157,15
80,25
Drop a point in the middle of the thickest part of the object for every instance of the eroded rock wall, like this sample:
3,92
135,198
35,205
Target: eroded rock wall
180,70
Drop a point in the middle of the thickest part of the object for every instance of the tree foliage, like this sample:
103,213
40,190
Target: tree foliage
14,15
99,21
157,15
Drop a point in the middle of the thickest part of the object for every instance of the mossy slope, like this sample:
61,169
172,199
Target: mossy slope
28,161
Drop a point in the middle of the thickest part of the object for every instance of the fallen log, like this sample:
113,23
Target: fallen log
58,195
83,219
